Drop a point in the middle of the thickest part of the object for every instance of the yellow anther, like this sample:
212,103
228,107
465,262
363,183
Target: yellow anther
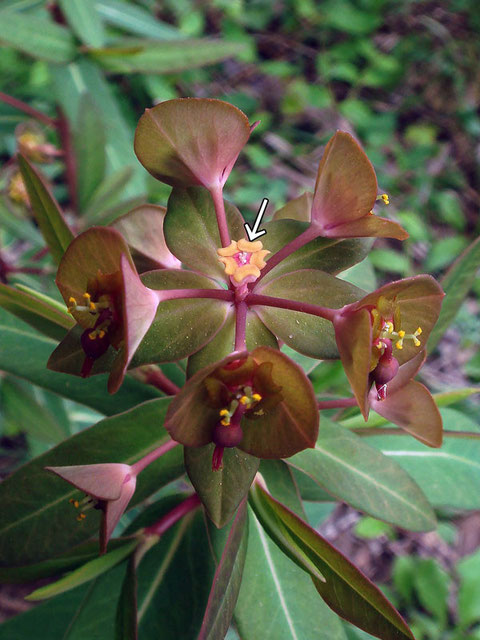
244,400
224,412
101,333
87,296
225,422
92,306
416,342
385,198
256,397
81,516
72,300
379,345
399,344
401,333
75,503
389,326
92,335
418,332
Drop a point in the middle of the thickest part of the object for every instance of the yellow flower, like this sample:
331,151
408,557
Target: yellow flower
243,260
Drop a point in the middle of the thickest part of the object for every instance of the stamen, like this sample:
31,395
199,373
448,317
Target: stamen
384,197
244,400
80,517
256,397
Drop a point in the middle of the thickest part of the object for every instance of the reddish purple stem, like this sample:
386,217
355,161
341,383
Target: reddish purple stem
26,108
173,516
240,326
152,456
291,305
297,243
217,195
158,379
340,403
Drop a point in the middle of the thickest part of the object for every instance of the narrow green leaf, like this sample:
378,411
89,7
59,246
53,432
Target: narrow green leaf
37,519
36,37
25,413
85,21
134,19
446,475
456,284
345,589
24,353
174,581
281,484
354,472
42,313
87,572
126,620
107,194
277,599
227,580
89,143
74,615
141,56
47,212
62,563
220,491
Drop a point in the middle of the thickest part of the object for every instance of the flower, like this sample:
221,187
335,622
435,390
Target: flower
345,193
382,330
261,402
103,292
243,260
108,487
410,405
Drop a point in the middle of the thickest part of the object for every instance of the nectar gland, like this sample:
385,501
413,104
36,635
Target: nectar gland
243,260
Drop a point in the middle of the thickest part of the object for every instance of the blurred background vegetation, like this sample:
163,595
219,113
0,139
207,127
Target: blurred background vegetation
401,75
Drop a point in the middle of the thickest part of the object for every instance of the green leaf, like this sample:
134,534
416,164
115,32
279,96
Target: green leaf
191,230
107,194
126,620
70,82
278,598
469,591
89,144
457,283
174,581
432,586
136,20
47,212
446,475
62,563
87,572
345,589
75,615
296,209
331,255
35,504
227,580
22,410
308,334
220,491
25,353
41,312
141,56
85,21
281,484
344,465
36,37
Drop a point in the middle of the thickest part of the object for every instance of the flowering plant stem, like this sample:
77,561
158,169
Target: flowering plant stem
297,243
291,305
176,294
26,108
339,403
240,326
217,195
141,464
160,381
173,516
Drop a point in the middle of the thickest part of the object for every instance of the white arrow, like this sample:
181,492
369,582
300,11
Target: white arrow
254,233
